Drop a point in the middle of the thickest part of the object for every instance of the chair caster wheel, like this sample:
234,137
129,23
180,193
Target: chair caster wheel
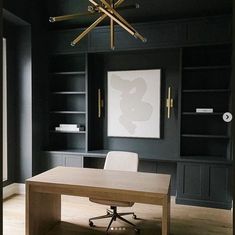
91,224
137,230
134,217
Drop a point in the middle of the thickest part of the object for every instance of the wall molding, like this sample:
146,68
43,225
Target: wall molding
12,189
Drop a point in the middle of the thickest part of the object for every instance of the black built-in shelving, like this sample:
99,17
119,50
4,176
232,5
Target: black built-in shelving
205,84
68,95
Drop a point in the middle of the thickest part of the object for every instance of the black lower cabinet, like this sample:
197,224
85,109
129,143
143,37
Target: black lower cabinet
51,160
204,184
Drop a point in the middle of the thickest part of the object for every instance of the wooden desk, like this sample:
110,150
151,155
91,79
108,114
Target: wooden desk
43,193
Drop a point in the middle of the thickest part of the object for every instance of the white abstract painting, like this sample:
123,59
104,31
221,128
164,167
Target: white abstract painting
134,103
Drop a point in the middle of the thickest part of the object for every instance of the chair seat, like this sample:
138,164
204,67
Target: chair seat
112,203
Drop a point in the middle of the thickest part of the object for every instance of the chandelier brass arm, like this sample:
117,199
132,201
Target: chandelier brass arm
86,31
53,19
99,20
113,18
119,2
115,13
91,11
106,10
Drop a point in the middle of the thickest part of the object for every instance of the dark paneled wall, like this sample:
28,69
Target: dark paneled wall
165,59
12,88
24,104
19,79
32,93
40,81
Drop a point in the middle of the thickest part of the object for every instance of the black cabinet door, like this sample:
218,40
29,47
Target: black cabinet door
204,184
51,160
219,189
74,161
191,181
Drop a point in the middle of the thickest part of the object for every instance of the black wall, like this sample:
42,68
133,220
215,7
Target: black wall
26,84
165,59
12,88
24,104
19,79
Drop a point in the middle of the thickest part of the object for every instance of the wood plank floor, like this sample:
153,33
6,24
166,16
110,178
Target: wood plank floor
185,220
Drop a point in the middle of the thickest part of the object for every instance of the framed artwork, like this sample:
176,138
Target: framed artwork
134,99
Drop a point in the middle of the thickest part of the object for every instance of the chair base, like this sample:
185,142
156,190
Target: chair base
114,215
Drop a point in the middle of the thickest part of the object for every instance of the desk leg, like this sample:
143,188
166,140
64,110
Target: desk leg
166,207
43,211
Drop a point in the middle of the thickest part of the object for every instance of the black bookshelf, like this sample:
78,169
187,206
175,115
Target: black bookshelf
205,84
204,172
68,101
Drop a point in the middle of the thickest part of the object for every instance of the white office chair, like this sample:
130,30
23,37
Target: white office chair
117,161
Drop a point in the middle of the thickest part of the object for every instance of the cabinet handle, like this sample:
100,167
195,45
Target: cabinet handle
169,102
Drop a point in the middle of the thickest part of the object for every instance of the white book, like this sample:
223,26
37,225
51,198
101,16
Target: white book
63,129
204,110
68,125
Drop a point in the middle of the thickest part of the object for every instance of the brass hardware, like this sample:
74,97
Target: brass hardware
119,2
100,103
112,29
119,17
169,102
113,17
68,17
86,31
108,10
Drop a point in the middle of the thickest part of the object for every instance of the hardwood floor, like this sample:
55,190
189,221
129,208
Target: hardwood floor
185,220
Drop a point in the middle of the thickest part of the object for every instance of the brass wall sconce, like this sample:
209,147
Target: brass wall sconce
105,9
100,103
169,102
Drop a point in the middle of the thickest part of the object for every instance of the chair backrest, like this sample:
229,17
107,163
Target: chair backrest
121,161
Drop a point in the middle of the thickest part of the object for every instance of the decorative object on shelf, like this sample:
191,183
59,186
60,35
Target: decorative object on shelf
69,128
204,110
134,103
169,102
106,9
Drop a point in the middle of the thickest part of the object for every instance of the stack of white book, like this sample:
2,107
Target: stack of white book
69,128
204,110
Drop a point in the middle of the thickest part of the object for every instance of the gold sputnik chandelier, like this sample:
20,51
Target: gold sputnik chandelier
105,9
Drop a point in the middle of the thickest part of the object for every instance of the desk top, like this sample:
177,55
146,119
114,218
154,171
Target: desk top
88,182
123,180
